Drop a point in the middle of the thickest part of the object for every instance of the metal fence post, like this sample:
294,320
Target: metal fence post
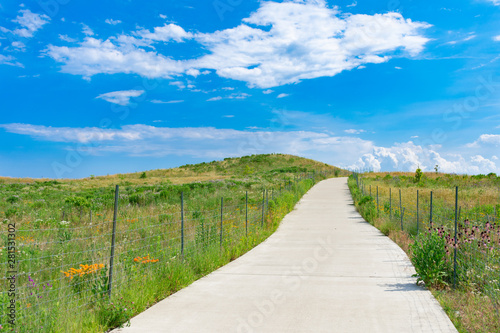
417,212
182,223
390,203
400,204
370,190
402,215
263,206
455,247
267,200
111,258
430,225
246,213
378,209
221,218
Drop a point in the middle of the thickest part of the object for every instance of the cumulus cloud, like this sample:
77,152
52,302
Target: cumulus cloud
282,95
165,33
121,97
280,43
489,139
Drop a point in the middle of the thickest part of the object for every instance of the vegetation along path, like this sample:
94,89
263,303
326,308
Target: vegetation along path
324,270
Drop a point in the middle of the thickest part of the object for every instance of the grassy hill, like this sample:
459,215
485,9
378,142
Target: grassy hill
63,232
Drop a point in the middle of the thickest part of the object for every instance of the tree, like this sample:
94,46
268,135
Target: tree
418,175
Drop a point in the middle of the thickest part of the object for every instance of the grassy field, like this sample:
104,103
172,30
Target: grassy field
59,232
469,290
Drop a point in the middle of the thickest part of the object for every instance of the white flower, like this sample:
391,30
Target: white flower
64,222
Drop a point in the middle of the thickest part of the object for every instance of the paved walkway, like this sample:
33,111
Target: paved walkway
324,270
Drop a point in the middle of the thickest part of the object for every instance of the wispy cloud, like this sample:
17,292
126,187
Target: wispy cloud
66,38
113,22
121,97
282,95
30,23
213,99
354,131
496,38
86,30
9,60
144,140
157,101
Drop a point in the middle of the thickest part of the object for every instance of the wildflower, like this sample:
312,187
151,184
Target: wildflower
64,223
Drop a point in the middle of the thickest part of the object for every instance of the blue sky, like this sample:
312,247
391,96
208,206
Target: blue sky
91,89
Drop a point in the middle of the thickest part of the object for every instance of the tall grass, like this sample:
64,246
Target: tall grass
431,243
63,241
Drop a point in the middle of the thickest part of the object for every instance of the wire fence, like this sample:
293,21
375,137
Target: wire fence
471,232
70,267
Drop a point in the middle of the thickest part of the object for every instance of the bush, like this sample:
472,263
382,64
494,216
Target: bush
428,255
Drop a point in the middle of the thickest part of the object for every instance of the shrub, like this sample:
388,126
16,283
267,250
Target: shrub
12,199
418,175
428,255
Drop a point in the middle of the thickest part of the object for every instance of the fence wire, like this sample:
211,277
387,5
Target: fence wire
68,266
477,228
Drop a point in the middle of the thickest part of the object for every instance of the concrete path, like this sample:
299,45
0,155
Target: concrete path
324,270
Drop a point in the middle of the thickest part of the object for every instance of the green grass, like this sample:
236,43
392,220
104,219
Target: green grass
62,224
472,300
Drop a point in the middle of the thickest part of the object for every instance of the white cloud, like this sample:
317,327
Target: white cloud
213,99
465,39
30,23
268,91
354,4
9,60
113,22
354,131
227,88
228,116
157,101
95,56
282,95
344,151
166,33
66,38
397,67
408,156
280,43
496,38
18,45
86,30
306,40
494,2
239,96
488,139
121,97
